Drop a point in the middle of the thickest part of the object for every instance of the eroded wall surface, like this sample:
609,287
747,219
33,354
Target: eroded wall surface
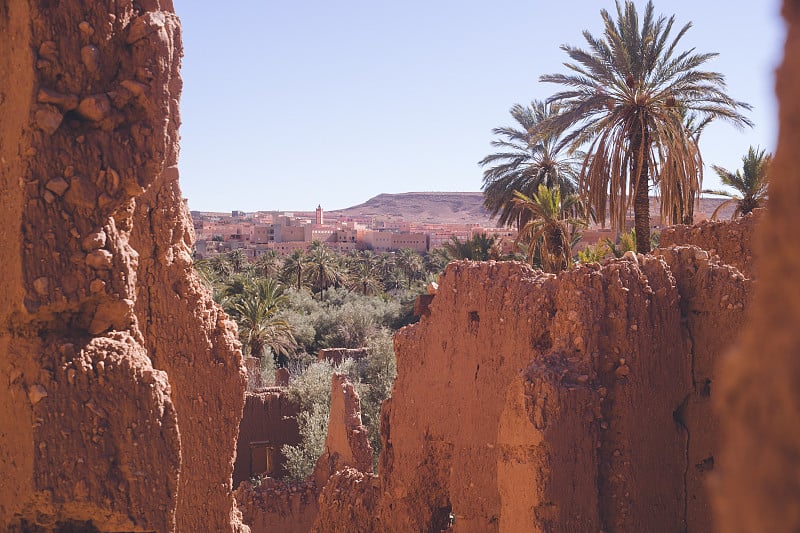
562,401
268,504
124,382
529,402
730,240
759,473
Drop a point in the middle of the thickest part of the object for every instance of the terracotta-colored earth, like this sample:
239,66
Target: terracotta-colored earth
123,383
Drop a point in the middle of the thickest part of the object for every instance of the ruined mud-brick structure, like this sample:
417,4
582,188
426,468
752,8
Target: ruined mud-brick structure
122,382
292,507
530,402
269,421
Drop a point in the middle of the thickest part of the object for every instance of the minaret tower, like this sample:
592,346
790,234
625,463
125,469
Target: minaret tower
319,215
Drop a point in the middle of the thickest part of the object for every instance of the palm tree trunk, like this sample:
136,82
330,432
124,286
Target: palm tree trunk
641,213
641,200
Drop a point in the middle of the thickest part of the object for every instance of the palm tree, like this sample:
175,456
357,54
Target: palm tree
269,264
480,247
526,160
627,97
220,265
323,269
751,183
552,224
626,243
238,260
436,260
293,268
683,193
410,263
363,274
260,327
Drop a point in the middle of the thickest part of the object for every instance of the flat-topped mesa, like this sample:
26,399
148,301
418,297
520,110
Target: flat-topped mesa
526,401
126,384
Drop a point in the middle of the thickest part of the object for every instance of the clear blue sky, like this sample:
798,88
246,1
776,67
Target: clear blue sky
287,104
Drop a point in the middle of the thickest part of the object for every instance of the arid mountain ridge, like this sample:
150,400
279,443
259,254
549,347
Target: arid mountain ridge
457,208
432,207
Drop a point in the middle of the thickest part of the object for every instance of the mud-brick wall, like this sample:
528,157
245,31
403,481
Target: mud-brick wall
268,417
759,472
123,383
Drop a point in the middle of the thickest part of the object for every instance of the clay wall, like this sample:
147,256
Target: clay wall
278,506
758,478
269,419
125,383
291,507
526,401
731,240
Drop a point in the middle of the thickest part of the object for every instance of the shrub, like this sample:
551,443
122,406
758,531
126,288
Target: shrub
378,372
313,426
312,390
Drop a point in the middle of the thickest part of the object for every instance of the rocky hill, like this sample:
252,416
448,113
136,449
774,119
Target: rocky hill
433,207
460,208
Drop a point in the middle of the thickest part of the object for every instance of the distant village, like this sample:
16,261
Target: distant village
261,231
284,232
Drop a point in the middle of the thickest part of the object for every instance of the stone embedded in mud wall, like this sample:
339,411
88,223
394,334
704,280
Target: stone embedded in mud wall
271,506
348,500
347,443
758,484
732,241
529,402
125,381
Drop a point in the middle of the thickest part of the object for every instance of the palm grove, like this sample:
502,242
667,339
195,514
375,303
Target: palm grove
627,119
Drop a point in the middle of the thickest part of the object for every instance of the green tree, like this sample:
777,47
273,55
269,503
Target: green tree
552,224
436,260
527,159
257,313
269,264
238,260
480,247
293,268
220,265
363,276
410,263
323,268
626,242
626,97
750,184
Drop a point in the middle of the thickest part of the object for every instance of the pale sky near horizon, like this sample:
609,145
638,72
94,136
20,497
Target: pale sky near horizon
290,104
